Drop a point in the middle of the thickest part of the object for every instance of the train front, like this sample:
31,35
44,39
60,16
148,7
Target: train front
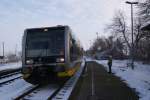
43,49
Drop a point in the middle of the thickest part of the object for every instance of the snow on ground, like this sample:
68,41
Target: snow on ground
88,59
42,93
11,90
138,78
9,78
10,66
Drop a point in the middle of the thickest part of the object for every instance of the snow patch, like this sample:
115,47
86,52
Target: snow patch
10,66
138,78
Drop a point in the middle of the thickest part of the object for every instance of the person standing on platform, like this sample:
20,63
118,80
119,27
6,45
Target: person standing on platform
109,64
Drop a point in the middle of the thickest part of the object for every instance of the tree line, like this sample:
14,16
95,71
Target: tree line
118,44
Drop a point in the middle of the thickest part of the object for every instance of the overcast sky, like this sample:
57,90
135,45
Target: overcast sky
85,17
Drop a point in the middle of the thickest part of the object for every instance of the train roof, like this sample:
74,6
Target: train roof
52,28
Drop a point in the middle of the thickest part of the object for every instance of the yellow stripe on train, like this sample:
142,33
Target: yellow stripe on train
68,73
25,76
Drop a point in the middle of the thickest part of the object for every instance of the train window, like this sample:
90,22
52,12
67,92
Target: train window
49,42
38,45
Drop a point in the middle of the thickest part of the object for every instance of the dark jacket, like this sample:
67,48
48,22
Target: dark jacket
110,61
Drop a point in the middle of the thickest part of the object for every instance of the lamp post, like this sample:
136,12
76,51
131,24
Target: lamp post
132,47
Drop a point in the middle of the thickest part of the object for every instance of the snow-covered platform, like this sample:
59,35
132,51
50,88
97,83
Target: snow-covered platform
138,78
97,84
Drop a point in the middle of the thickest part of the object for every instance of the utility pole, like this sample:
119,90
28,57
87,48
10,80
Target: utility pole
132,44
16,50
91,52
3,49
97,35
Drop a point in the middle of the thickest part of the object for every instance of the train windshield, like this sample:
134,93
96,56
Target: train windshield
45,43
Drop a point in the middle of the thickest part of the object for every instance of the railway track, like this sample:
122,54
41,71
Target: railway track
26,92
10,74
9,79
51,91
38,92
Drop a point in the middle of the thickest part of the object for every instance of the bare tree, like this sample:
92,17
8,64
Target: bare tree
118,27
99,44
143,37
144,10
138,34
108,46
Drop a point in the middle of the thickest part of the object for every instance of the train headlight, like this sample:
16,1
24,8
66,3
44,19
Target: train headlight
29,61
60,60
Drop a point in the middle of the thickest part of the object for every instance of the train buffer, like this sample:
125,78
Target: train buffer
97,84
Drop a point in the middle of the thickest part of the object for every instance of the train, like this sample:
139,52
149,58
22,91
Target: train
50,53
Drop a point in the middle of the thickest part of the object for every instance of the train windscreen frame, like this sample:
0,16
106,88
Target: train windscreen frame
43,43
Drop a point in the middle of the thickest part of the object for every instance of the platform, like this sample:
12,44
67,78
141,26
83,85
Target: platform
96,84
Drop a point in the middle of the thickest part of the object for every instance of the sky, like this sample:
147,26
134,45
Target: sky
85,17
